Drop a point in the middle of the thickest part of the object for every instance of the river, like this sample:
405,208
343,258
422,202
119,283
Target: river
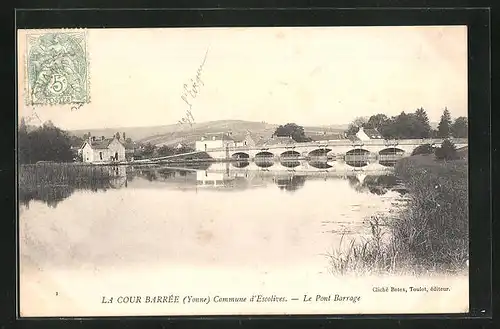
221,216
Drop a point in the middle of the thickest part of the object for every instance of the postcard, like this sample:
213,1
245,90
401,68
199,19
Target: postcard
242,171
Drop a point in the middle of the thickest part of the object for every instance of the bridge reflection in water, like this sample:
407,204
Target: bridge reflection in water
288,175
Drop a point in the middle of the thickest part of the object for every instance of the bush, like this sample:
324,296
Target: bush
428,235
423,149
447,151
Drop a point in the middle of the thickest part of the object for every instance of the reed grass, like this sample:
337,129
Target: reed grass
53,182
428,235
52,174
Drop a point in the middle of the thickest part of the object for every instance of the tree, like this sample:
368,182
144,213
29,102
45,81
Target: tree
376,121
149,149
423,149
459,128
354,126
22,126
444,125
424,127
117,135
293,130
165,150
22,140
402,126
46,143
447,151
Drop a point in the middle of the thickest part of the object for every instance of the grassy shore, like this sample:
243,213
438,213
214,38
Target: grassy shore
430,233
53,182
61,174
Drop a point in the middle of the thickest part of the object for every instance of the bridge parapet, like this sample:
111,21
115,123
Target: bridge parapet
340,143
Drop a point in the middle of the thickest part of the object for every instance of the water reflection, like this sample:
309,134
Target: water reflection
264,163
239,175
290,164
388,163
375,184
320,164
290,183
241,164
53,184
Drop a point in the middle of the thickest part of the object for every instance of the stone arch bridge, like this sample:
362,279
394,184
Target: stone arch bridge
376,149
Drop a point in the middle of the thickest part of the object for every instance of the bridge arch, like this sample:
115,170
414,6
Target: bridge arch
240,155
264,155
357,157
319,152
290,154
389,156
391,150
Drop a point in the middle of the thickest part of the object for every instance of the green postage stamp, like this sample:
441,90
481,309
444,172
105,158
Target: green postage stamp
57,70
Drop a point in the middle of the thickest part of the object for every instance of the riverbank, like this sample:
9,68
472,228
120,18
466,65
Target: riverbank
429,234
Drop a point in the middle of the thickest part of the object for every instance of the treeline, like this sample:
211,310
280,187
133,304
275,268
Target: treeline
45,143
151,151
412,125
50,143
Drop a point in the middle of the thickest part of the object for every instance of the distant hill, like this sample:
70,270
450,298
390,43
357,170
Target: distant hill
136,133
184,133
177,133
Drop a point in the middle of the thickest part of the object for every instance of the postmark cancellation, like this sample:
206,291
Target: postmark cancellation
57,68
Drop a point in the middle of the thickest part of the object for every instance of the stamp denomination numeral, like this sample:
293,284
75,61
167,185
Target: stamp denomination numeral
57,68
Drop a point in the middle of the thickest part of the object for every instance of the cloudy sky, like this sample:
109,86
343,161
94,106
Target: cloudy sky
311,76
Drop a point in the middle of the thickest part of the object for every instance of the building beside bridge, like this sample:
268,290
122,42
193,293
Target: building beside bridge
214,141
368,134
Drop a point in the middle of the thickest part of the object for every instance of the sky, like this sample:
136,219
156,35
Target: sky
306,75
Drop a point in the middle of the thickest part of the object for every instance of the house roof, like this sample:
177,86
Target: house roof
372,133
326,137
100,144
218,136
259,141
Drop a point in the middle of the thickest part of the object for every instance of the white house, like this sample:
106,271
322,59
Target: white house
214,141
368,134
102,150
